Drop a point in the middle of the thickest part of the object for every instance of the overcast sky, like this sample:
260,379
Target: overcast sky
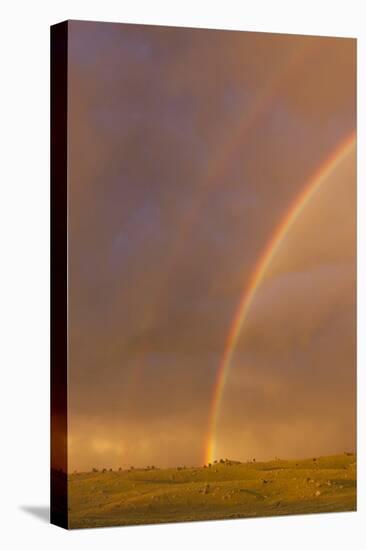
187,147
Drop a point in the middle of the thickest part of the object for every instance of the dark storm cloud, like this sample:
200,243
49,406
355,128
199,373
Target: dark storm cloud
172,199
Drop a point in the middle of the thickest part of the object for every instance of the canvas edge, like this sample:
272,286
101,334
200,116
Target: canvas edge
58,254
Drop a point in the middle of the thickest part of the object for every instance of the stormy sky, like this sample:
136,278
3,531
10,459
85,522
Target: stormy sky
186,149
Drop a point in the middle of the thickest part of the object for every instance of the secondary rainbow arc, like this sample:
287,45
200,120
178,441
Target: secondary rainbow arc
256,279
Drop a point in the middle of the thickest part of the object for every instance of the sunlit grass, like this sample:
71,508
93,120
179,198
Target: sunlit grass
224,490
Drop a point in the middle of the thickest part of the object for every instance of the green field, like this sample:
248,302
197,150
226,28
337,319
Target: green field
222,491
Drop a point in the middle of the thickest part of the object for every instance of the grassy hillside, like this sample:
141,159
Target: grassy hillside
225,490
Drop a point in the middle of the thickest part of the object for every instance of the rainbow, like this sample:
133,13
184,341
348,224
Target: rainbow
256,279
229,142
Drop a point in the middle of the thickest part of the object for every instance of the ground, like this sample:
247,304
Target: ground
222,491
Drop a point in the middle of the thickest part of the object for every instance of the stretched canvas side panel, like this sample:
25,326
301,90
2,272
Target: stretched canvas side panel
59,498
